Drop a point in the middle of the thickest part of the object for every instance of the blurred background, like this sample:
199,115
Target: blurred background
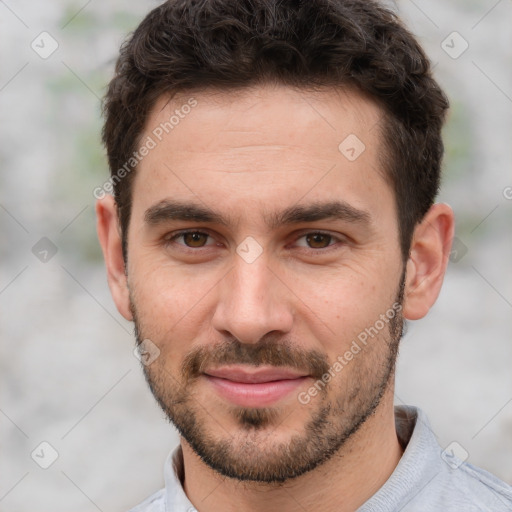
69,378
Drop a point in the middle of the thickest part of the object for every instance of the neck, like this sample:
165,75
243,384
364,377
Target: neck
343,483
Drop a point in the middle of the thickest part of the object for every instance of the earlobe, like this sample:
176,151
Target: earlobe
110,240
428,259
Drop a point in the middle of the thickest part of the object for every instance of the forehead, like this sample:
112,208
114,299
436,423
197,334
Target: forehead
261,145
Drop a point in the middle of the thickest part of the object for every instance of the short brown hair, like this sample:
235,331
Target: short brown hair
227,44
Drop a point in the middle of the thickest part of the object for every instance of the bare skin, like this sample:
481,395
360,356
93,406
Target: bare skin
246,155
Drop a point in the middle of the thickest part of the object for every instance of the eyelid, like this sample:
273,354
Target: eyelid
335,237
171,237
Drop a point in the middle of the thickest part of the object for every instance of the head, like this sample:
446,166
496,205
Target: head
274,168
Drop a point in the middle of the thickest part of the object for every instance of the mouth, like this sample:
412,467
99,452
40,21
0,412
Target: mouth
248,386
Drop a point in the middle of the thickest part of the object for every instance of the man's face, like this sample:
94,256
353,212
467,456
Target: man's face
299,259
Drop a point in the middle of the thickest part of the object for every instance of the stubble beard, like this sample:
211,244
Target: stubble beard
249,453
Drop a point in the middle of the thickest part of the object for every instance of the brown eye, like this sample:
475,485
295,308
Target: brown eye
318,240
195,239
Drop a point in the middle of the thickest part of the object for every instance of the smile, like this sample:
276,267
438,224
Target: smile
254,387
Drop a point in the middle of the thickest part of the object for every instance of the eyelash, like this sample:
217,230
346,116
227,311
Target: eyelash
170,239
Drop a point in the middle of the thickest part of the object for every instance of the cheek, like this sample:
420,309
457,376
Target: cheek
341,304
170,303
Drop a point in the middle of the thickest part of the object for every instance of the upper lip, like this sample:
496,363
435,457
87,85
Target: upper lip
254,375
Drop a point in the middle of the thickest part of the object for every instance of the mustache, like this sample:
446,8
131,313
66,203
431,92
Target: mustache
282,354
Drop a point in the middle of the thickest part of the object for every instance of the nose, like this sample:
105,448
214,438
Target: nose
253,302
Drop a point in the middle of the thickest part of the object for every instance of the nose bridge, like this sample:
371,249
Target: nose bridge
252,284
252,302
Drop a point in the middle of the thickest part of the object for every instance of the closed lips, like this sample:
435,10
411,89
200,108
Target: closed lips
254,375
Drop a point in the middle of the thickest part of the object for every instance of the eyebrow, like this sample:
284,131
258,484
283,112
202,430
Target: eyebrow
169,210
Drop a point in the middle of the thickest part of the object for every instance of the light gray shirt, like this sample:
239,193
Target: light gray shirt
427,479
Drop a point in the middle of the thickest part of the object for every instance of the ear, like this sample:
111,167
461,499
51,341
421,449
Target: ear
428,259
110,239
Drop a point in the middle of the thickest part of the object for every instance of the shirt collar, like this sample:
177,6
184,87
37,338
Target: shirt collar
420,462
418,466
176,499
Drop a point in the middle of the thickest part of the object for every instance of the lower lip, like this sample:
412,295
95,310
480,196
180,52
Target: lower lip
259,394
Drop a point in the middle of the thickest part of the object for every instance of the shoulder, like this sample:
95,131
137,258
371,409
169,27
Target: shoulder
457,485
467,488
155,503
482,489
430,479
